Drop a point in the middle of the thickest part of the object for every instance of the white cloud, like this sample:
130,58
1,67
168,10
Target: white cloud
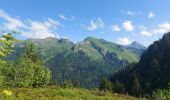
124,41
11,23
128,26
95,24
100,23
52,23
151,15
132,13
115,28
29,28
146,33
62,17
41,29
68,18
162,28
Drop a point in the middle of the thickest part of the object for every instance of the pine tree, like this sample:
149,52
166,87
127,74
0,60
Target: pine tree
118,87
42,75
106,85
135,86
155,73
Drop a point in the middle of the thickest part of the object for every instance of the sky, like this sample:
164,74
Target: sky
119,21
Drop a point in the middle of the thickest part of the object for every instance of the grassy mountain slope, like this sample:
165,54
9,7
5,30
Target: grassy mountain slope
90,60
87,61
49,47
104,46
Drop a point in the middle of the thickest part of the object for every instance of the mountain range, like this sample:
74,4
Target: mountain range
85,62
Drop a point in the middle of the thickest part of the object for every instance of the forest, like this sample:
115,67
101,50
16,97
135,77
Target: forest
148,78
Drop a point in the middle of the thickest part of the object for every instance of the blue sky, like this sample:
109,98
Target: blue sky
119,21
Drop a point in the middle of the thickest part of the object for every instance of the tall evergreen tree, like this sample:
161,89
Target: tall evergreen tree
135,86
7,41
42,75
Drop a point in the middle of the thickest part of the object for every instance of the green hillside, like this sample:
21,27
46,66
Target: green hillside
104,46
49,47
86,61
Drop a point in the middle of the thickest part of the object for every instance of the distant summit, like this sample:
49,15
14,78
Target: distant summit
136,45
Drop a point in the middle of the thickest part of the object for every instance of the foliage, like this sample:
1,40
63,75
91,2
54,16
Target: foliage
106,85
118,87
20,74
7,92
163,94
6,44
136,87
54,93
67,84
27,71
41,74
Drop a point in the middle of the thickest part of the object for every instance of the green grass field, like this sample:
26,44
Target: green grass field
54,93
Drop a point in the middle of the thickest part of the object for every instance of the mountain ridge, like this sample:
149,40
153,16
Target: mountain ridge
136,45
88,39
91,58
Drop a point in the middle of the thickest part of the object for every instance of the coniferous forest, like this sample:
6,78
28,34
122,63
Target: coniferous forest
147,76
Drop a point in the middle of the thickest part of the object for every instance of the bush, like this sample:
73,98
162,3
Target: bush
162,94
